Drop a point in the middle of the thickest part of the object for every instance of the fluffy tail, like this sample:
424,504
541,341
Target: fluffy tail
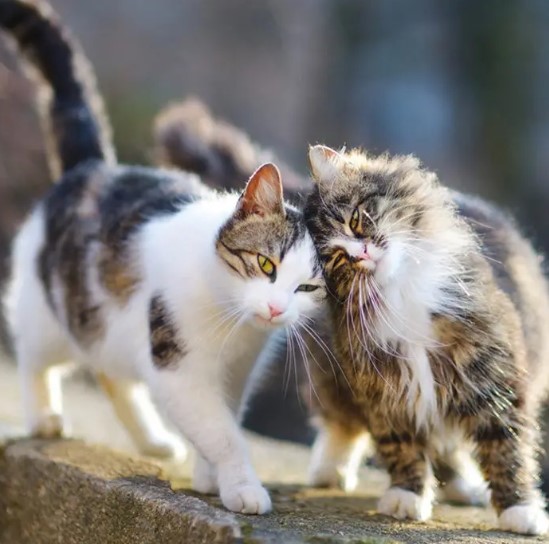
72,111
189,137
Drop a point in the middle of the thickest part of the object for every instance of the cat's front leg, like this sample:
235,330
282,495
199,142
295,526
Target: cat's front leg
506,453
193,399
404,455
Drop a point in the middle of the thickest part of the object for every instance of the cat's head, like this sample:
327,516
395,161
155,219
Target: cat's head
376,218
273,270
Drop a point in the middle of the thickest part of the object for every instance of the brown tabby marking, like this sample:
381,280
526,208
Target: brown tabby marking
490,361
166,348
72,229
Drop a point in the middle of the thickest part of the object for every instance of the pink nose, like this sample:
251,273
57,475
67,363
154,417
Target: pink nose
275,310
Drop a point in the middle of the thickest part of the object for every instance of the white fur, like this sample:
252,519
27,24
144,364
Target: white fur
449,443
525,519
336,459
203,397
467,489
402,504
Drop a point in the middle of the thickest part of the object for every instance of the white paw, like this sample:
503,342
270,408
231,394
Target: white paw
402,504
247,499
525,519
332,476
462,491
164,448
205,477
48,426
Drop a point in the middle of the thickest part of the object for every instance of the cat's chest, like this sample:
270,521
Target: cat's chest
388,360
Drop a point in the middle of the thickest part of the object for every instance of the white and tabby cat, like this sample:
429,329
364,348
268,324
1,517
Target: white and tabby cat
146,275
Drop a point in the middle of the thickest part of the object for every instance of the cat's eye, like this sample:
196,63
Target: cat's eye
266,265
307,288
353,223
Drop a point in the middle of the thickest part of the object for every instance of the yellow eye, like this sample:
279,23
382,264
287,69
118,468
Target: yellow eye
266,265
353,223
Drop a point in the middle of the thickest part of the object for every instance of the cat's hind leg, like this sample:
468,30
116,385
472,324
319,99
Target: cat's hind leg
42,401
39,341
135,410
460,478
506,449
337,454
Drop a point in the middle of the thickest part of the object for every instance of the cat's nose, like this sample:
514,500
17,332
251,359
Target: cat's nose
275,310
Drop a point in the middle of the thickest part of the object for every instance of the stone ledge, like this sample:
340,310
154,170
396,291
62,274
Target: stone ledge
72,493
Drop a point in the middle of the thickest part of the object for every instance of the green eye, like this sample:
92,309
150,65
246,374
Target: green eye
266,265
353,223
307,288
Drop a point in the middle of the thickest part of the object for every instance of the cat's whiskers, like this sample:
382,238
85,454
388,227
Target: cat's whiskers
402,218
349,320
374,224
237,323
324,347
312,389
288,363
225,319
220,314
364,326
368,324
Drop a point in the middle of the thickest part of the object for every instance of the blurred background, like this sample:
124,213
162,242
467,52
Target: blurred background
462,84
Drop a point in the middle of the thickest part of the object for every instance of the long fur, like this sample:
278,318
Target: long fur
440,313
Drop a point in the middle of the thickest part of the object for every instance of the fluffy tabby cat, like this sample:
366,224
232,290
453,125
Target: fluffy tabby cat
147,275
440,314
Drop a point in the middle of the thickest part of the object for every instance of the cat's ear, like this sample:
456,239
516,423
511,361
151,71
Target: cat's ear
324,162
263,194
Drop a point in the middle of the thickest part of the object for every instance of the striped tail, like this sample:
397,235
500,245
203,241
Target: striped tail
73,111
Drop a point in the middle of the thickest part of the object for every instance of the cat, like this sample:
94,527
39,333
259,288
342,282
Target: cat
146,276
187,136
440,317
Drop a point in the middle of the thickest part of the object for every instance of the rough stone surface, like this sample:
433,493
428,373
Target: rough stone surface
68,492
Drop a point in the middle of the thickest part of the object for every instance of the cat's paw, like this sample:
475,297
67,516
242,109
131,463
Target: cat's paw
330,475
205,477
472,492
48,426
250,498
525,519
402,504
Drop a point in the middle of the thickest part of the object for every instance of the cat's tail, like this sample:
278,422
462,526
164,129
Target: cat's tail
72,110
188,136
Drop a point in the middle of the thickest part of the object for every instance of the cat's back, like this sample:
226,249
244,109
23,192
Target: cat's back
78,242
115,200
517,268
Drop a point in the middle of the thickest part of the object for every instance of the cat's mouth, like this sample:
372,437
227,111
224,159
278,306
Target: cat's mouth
365,262
364,255
264,323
